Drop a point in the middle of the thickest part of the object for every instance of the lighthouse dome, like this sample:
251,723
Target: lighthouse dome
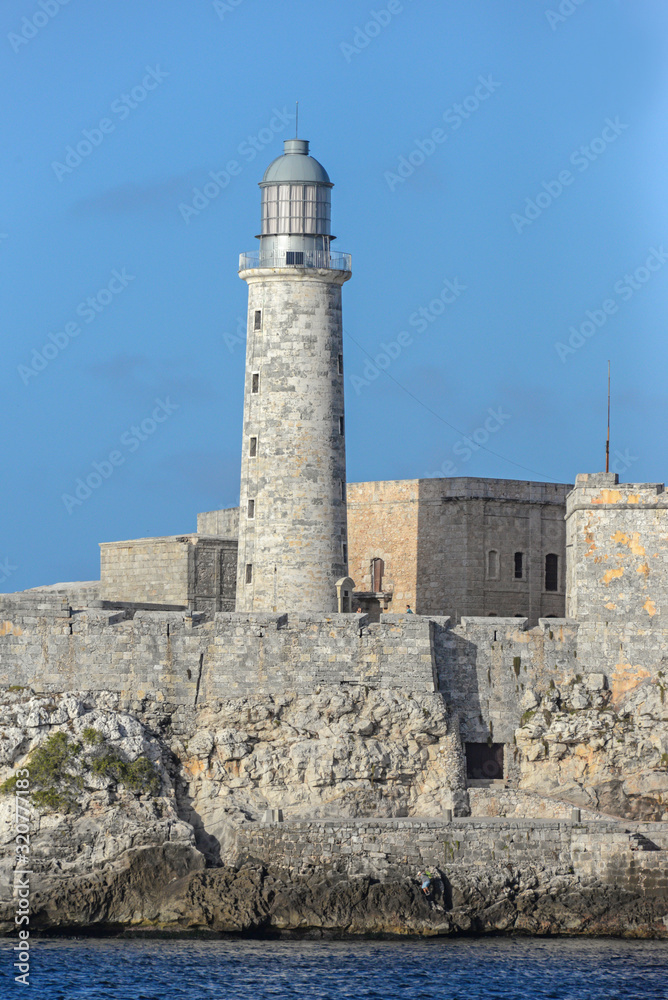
295,166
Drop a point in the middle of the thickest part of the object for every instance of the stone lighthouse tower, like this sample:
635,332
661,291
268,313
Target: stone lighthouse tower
292,520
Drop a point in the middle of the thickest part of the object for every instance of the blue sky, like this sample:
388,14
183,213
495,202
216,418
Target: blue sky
500,174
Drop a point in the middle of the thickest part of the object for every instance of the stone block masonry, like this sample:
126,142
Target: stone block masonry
196,571
292,524
617,536
461,546
187,660
605,850
224,523
483,667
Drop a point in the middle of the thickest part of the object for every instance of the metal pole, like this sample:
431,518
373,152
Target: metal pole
297,120
607,442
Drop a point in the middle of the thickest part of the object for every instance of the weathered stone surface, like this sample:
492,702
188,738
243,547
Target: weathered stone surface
587,750
435,537
532,900
132,861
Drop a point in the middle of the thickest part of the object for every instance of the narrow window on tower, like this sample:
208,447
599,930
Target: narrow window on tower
340,364
255,382
344,552
552,571
251,508
252,451
340,425
249,572
343,490
519,556
493,564
258,319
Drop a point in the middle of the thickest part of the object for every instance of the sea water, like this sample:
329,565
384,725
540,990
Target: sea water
257,969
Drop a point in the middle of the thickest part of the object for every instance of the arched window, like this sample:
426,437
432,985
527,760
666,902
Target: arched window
493,564
551,571
377,570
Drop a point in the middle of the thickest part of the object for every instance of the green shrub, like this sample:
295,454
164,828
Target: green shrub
58,765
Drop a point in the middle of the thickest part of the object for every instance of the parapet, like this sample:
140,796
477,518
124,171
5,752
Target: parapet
617,546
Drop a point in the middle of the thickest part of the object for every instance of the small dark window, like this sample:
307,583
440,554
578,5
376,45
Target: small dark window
249,572
295,257
343,489
484,760
340,364
255,382
377,570
258,319
340,425
252,451
519,557
344,551
251,508
551,571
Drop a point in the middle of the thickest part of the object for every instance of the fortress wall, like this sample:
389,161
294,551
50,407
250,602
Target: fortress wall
220,522
435,536
617,537
179,659
383,523
595,848
195,571
485,665
151,570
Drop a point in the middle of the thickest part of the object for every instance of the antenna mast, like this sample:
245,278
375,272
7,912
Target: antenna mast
607,442
297,120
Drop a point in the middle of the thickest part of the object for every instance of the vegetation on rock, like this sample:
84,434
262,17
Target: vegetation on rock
58,767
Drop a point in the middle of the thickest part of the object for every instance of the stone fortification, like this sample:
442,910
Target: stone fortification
224,523
486,669
188,659
449,547
459,546
195,571
617,536
292,525
615,854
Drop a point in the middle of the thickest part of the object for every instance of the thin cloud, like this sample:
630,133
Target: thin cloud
132,372
131,197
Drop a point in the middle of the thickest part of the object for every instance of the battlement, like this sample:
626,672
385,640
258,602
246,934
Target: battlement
617,551
482,667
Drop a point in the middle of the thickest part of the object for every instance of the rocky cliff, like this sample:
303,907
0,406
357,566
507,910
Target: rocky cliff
158,853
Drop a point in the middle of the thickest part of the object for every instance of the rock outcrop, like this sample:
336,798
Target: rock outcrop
129,858
588,748
151,898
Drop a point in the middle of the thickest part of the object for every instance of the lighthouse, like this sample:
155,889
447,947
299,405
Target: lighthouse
293,547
